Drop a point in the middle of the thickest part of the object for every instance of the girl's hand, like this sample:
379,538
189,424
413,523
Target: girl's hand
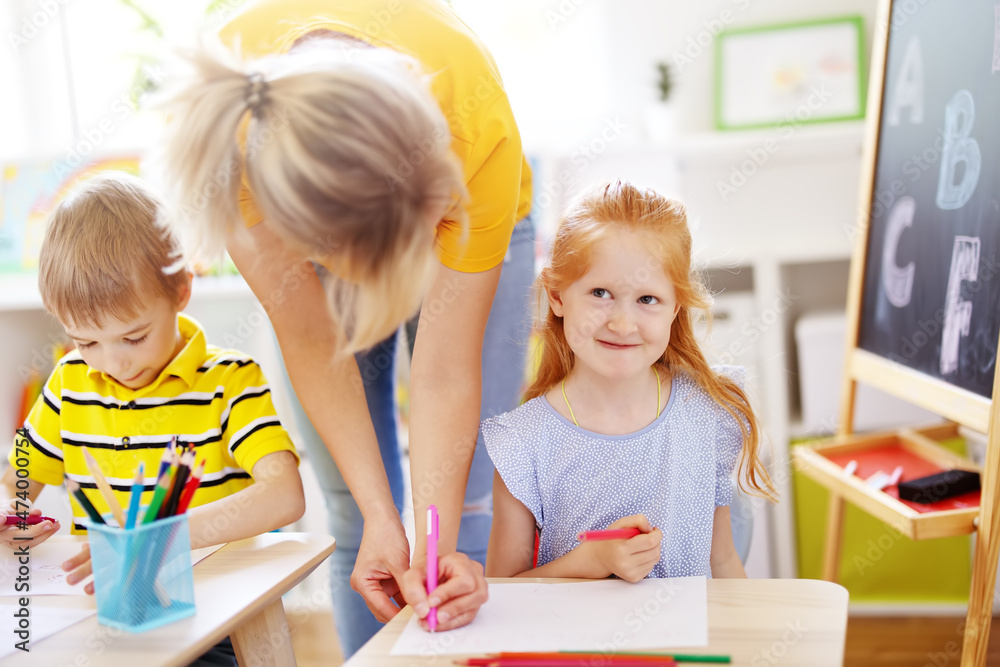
460,593
37,533
79,568
630,559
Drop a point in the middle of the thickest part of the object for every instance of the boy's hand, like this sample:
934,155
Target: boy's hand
630,559
37,533
79,568
461,591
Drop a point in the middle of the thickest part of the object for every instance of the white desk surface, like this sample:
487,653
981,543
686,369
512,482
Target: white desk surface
234,587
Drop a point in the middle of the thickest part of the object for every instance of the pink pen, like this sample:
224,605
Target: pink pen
13,519
432,562
609,534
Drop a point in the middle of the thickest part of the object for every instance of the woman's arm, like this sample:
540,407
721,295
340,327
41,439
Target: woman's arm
725,561
332,394
445,390
445,394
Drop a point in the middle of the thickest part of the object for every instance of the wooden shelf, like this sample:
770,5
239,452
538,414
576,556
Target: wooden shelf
816,461
813,141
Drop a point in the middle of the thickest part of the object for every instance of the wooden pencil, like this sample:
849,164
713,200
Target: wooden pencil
104,488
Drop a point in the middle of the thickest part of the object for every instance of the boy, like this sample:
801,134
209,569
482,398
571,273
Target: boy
141,373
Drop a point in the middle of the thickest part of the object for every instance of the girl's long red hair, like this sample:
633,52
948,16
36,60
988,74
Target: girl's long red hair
663,223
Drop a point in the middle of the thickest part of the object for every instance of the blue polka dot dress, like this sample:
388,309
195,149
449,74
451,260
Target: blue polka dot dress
676,471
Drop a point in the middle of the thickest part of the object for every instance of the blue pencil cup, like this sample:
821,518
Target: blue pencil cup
142,576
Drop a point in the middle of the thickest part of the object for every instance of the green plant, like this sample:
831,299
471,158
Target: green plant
665,80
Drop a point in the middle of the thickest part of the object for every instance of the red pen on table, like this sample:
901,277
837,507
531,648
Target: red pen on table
432,562
13,519
609,534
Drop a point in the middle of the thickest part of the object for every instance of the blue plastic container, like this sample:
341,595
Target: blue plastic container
142,576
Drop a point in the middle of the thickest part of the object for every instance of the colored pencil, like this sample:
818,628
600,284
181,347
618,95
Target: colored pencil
557,660
169,507
166,457
34,519
104,488
74,487
679,657
191,487
158,495
577,656
610,534
589,657
138,486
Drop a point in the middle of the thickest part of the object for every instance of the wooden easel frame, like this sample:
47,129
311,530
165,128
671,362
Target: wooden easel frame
956,404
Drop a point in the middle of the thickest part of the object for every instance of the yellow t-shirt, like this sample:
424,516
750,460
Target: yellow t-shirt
217,399
466,83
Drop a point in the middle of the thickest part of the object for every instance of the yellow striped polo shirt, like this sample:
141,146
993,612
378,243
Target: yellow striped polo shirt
217,399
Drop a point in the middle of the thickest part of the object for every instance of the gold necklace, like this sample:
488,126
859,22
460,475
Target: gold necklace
570,407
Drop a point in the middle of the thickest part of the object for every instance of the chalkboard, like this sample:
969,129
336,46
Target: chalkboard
931,296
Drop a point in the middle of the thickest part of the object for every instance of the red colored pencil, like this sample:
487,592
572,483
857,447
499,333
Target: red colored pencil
570,656
610,534
567,661
191,487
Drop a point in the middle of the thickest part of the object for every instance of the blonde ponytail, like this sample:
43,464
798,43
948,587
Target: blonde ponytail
348,159
200,157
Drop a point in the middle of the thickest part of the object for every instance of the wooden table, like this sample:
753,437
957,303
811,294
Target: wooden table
759,622
237,592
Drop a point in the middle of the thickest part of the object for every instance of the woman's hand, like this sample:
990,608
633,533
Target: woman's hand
461,591
383,559
630,559
79,568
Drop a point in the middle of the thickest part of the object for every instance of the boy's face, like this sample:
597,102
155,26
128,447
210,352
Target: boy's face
133,352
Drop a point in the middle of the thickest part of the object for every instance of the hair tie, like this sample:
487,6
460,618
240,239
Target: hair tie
256,92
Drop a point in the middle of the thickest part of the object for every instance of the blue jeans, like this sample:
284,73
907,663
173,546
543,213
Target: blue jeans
505,350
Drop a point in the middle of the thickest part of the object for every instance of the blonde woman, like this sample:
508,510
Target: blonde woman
373,141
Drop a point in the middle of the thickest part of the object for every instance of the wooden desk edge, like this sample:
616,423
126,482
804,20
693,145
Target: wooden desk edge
261,603
273,593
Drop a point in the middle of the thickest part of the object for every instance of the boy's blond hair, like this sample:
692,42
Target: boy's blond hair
107,252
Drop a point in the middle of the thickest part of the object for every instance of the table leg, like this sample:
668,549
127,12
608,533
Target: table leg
831,546
264,639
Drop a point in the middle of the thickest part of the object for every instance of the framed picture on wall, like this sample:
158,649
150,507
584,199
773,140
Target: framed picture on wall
794,73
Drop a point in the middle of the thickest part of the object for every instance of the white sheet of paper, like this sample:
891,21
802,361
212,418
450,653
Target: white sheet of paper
198,555
44,622
607,616
46,577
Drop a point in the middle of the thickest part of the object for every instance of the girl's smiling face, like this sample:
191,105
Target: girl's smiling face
617,316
